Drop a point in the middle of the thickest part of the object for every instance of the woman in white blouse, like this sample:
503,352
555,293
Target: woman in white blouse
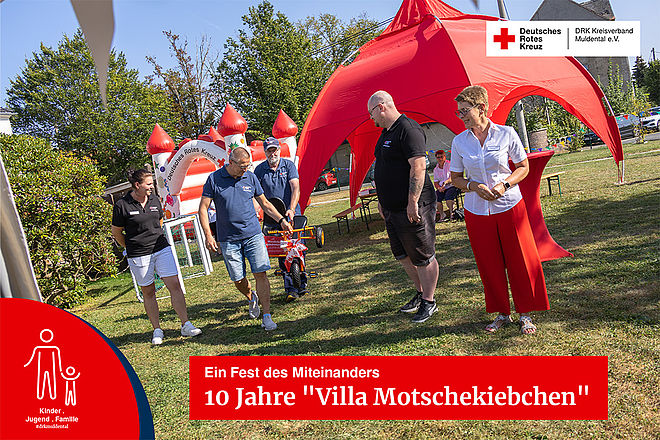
495,214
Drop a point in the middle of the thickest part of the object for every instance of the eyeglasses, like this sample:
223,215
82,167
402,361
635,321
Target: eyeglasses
462,112
243,167
376,106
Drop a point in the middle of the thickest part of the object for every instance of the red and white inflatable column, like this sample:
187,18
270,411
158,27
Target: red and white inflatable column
232,127
160,146
285,131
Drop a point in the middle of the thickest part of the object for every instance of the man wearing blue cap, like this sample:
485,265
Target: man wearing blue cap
279,178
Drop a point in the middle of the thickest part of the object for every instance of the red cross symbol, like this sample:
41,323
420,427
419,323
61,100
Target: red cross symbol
504,38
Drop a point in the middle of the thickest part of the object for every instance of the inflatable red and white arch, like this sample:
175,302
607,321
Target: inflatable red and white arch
180,173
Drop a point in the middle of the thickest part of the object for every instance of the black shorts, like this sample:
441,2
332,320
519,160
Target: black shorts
414,240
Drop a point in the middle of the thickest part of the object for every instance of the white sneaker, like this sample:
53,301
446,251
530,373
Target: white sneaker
157,338
253,307
267,322
188,329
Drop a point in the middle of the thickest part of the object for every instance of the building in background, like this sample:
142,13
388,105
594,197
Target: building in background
5,123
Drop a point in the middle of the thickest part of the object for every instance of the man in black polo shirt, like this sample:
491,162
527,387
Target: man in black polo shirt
136,225
406,200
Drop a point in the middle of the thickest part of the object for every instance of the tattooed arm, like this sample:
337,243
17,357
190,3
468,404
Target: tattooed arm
417,171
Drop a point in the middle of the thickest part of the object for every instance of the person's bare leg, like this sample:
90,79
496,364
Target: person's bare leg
450,206
244,287
441,210
263,290
412,272
428,275
151,304
177,297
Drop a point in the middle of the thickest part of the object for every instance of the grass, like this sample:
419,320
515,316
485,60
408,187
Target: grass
604,301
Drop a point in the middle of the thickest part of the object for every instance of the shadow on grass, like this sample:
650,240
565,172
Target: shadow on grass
613,277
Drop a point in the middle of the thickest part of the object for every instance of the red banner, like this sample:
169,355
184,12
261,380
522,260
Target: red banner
398,387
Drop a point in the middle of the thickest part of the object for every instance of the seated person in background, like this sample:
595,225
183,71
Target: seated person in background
444,190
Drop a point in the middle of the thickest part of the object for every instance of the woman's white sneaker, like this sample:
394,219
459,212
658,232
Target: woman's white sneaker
157,338
267,322
189,330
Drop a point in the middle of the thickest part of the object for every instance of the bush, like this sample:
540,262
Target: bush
577,142
66,222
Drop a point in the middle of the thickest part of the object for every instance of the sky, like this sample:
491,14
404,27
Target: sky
25,24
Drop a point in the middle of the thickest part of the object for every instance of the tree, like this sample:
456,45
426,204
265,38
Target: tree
652,81
270,66
614,91
189,84
275,64
56,97
336,42
66,222
639,70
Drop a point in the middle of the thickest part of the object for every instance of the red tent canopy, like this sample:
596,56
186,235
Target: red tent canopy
425,57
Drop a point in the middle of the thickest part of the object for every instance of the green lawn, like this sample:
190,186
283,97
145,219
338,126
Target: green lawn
604,301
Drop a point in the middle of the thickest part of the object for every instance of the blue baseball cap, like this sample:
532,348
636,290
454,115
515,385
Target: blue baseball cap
271,142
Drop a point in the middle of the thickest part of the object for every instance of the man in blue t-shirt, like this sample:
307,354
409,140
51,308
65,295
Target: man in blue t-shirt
279,178
232,188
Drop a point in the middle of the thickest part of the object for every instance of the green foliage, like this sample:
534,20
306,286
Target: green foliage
56,97
189,85
274,64
639,70
576,141
65,220
535,117
562,123
267,68
652,81
335,41
615,93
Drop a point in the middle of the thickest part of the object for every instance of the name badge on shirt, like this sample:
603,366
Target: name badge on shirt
494,147
133,212
153,208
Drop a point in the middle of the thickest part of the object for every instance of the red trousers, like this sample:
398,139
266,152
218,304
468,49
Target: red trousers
504,244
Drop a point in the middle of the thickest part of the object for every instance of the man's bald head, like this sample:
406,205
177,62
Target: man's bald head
381,96
382,110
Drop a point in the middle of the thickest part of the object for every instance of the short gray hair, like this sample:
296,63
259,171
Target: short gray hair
238,152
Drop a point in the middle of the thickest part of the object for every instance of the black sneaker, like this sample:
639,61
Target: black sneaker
412,305
426,309
291,296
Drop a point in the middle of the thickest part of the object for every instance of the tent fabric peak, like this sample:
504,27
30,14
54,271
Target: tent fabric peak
427,55
414,11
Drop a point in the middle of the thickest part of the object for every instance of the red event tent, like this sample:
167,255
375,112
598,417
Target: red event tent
424,58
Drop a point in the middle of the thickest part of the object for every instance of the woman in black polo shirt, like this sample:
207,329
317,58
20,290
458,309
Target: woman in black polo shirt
137,220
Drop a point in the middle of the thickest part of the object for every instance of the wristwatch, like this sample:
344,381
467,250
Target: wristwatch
506,184
281,220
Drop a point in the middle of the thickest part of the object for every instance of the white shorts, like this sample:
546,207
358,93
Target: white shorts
161,262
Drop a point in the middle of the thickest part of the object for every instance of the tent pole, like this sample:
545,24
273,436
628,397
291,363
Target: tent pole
520,115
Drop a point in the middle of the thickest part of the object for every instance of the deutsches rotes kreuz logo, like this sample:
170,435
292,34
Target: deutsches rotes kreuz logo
386,144
562,38
246,188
